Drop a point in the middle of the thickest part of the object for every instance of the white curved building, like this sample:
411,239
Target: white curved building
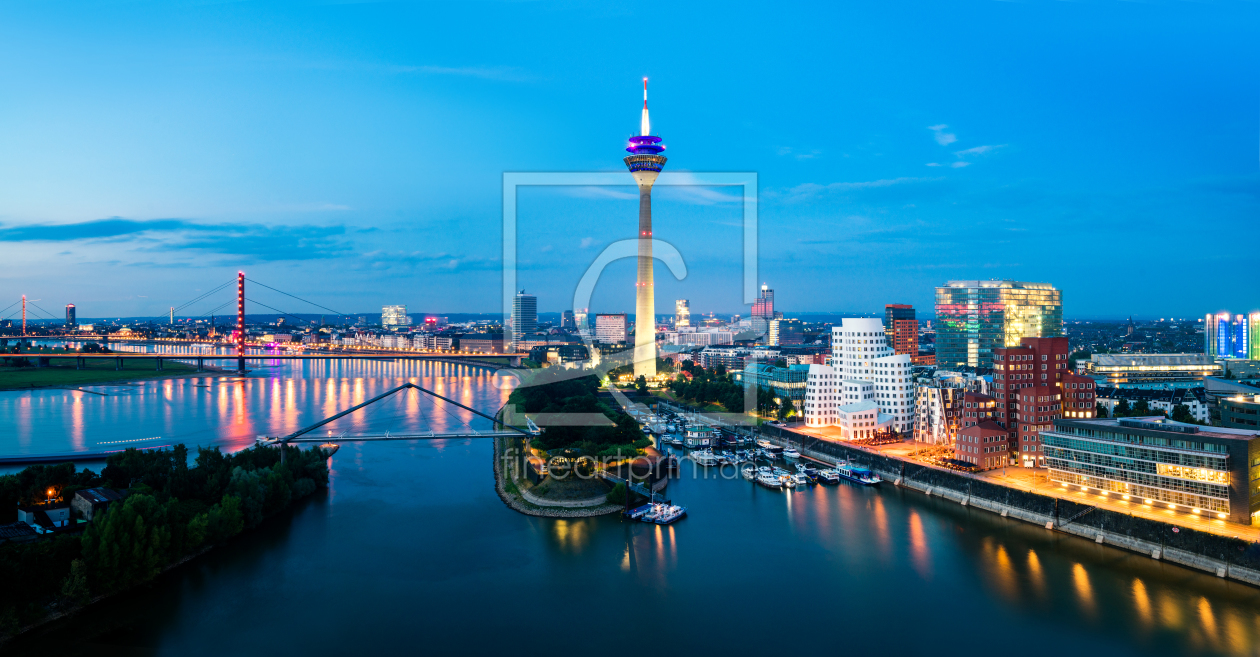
862,370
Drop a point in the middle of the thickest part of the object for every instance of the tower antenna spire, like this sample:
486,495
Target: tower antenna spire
645,126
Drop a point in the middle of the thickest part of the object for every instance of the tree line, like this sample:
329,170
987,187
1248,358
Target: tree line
171,510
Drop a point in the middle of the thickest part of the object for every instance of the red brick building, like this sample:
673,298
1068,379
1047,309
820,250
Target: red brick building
902,329
1034,387
984,445
977,408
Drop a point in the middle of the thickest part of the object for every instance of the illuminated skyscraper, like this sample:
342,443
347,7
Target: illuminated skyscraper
1231,336
395,316
645,162
682,313
975,317
71,322
524,319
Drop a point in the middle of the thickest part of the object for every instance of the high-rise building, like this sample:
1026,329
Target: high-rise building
579,318
645,162
395,316
866,388
611,328
786,332
524,319
764,305
904,328
70,320
567,321
976,317
1231,336
682,313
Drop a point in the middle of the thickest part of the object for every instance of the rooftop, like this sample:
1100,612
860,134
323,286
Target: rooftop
1161,424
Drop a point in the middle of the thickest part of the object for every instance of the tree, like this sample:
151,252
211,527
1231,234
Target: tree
1100,410
128,545
1181,413
1122,408
618,494
788,409
640,384
74,589
1142,408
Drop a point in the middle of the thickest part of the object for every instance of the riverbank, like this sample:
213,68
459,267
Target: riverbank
1224,556
513,490
97,371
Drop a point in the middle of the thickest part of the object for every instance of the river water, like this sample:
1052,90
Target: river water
410,551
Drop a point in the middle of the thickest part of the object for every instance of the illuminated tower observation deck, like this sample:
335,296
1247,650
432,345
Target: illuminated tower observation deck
645,162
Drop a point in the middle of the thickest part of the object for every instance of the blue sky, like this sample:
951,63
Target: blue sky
353,152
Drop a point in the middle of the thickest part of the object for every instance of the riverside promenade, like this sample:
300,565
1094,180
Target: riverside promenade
1228,550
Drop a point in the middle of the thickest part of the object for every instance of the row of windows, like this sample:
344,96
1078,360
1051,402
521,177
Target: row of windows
1207,461
1213,504
1055,458
1145,440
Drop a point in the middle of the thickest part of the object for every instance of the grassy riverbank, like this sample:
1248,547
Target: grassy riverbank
61,372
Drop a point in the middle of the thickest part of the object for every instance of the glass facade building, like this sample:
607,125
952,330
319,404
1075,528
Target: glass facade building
395,316
1158,463
974,317
1226,335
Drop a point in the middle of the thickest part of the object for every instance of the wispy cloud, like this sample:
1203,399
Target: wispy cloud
503,73
811,190
800,155
943,138
959,165
978,150
254,242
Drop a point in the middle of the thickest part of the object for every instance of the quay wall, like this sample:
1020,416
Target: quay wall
1222,556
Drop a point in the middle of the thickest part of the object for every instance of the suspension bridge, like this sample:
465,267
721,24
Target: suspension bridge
238,338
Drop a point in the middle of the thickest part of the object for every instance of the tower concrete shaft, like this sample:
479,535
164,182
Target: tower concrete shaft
645,292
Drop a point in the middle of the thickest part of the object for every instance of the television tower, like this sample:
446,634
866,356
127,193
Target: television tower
645,162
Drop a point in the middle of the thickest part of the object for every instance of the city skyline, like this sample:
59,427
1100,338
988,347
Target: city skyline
134,181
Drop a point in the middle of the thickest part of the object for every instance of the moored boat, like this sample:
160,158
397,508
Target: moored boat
791,453
769,480
829,476
857,474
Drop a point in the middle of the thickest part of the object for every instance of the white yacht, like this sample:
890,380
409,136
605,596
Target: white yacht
791,453
769,480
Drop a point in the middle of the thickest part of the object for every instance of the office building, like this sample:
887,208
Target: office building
524,320
975,317
764,305
702,338
903,328
1241,411
863,368
1034,388
938,405
645,162
1150,370
611,328
786,332
567,321
682,314
395,316
1231,336
71,322
579,318
786,382
1155,462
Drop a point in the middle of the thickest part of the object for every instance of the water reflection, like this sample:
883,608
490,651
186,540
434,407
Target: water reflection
1142,603
1084,593
918,547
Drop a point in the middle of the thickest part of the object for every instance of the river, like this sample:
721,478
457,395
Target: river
410,551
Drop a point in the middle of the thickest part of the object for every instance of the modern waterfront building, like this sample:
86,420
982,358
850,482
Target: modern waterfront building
787,382
645,162
524,320
611,328
395,316
682,313
938,404
1231,336
862,368
1158,463
1150,370
71,322
903,327
983,444
975,317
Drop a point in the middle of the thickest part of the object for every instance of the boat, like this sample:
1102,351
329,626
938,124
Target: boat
670,463
704,457
749,473
829,476
788,480
769,480
667,513
790,453
857,474
801,480
764,444
701,436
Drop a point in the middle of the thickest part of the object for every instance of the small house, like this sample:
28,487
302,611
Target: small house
87,503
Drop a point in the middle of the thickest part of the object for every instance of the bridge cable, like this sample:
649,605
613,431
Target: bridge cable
248,300
50,315
189,303
335,312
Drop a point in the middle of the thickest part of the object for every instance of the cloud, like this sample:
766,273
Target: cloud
959,165
503,73
978,150
809,155
811,190
934,164
587,242
943,138
255,242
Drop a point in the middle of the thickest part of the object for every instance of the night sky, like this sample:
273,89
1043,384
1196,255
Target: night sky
353,153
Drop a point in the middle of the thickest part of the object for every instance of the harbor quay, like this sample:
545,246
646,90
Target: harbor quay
1225,549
